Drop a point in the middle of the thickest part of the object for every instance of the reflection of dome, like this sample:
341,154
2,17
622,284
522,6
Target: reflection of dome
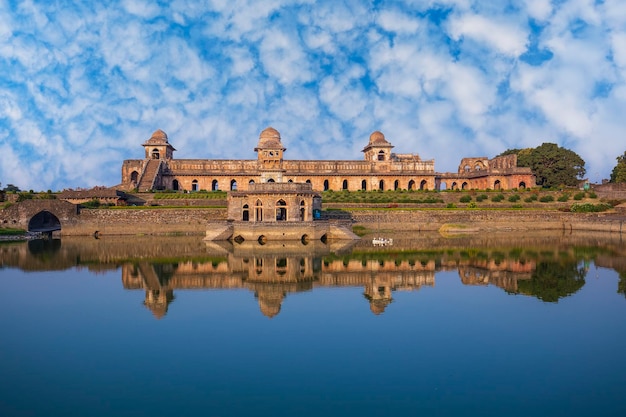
377,137
157,301
270,302
158,137
269,138
378,306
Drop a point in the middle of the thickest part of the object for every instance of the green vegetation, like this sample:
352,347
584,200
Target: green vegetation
619,172
553,166
563,198
546,199
481,197
552,280
465,199
514,198
589,207
213,195
11,232
497,198
381,197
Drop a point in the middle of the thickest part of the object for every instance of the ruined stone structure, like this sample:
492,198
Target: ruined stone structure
381,169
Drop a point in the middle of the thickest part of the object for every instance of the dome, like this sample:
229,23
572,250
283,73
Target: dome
377,137
269,138
158,136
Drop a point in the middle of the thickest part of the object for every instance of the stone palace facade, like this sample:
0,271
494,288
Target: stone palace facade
381,169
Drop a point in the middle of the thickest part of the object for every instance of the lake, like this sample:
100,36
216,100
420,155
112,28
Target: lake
458,326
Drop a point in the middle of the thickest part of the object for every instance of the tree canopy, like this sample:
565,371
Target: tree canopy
553,280
619,172
552,165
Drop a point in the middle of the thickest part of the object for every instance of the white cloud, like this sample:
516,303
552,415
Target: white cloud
506,36
394,21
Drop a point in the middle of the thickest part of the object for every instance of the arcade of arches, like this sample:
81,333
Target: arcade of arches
381,169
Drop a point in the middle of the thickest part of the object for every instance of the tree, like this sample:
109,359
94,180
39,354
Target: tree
619,172
12,188
552,165
552,280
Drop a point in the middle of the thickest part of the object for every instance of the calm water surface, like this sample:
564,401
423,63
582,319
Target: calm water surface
430,326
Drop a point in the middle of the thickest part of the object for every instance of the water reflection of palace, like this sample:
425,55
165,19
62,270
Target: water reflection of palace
272,277
548,268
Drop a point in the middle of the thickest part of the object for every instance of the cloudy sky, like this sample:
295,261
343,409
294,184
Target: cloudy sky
83,84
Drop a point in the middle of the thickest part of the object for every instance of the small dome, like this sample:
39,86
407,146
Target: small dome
158,136
269,138
377,137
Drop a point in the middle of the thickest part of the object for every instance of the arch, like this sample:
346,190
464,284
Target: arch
290,180
251,182
271,180
411,185
215,186
302,211
467,168
304,239
396,184
381,185
245,213
134,177
262,240
44,221
464,186
258,211
497,185
424,185
364,185
175,185
281,210
522,185
454,186
308,181
156,154
344,185
233,185
194,185
381,156
478,167
325,185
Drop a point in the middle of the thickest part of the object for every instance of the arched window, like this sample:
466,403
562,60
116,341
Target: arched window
381,185
245,213
233,185
134,176
251,182
325,185
396,184
308,181
381,155
497,185
175,185
302,211
155,154
363,185
344,185
477,167
271,180
464,186
214,185
194,185
411,185
454,186
258,211
281,211
423,185
290,180
467,168
522,185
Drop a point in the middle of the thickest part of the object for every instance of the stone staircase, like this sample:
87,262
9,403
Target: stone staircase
146,183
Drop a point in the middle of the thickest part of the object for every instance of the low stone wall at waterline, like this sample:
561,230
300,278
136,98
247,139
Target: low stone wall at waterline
142,221
487,220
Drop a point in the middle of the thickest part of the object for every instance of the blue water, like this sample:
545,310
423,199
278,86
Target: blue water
76,343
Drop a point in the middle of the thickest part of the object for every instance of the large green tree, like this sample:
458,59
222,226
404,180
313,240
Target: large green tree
619,172
552,165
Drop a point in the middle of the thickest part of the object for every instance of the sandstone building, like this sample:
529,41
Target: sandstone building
381,169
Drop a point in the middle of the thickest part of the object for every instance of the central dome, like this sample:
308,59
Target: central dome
158,136
269,138
378,137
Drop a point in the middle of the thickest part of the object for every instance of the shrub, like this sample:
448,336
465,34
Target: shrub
465,199
546,199
451,205
472,205
589,207
579,196
530,199
497,198
514,198
481,197
593,195
563,198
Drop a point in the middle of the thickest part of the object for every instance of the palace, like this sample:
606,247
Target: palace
381,169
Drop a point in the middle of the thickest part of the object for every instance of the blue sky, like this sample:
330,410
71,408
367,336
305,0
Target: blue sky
85,83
